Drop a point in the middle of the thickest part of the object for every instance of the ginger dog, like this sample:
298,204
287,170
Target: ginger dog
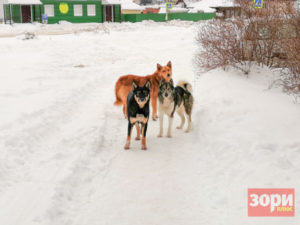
124,86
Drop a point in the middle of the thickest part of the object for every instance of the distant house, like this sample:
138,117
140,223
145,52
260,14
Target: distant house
174,10
130,7
143,2
127,6
227,9
150,10
223,8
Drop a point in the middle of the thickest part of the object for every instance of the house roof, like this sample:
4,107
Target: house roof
125,4
209,5
23,2
111,2
173,10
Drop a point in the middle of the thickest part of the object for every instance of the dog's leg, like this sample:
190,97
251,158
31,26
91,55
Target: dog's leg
181,114
189,123
144,131
137,126
154,105
127,145
161,124
170,127
125,110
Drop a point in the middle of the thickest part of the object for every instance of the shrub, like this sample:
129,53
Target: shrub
268,36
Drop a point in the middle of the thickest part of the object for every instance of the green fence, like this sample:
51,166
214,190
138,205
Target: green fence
191,16
162,17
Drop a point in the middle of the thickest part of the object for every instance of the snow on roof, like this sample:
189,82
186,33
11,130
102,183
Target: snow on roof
111,2
173,10
23,2
207,5
125,4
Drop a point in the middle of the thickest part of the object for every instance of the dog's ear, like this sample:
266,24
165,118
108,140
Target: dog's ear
159,67
169,64
171,82
148,84
134,85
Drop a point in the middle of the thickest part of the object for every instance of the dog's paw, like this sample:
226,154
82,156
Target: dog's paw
137,138
126,147
144,147
179,127
154,118
169,136
160,135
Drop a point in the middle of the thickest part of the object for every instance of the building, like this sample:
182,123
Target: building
77,11
223,8
150,10
130,7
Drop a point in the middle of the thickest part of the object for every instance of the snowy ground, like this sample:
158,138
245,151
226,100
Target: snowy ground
61,139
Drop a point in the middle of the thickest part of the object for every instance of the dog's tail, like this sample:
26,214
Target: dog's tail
185,85
118,101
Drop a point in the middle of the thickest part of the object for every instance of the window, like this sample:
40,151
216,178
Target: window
77,10
91,10
49,10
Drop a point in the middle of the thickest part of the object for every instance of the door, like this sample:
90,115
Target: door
26,13
108,13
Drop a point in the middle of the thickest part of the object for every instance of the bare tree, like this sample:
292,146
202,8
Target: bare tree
267,36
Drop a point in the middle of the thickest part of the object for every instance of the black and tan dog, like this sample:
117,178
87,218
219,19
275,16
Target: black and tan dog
138,112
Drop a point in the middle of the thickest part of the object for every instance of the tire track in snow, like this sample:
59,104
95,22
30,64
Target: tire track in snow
25,137
76,191
49,151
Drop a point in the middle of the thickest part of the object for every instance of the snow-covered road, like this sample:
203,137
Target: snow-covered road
61,139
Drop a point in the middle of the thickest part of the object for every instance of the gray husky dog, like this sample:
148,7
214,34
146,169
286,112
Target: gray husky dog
173,99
